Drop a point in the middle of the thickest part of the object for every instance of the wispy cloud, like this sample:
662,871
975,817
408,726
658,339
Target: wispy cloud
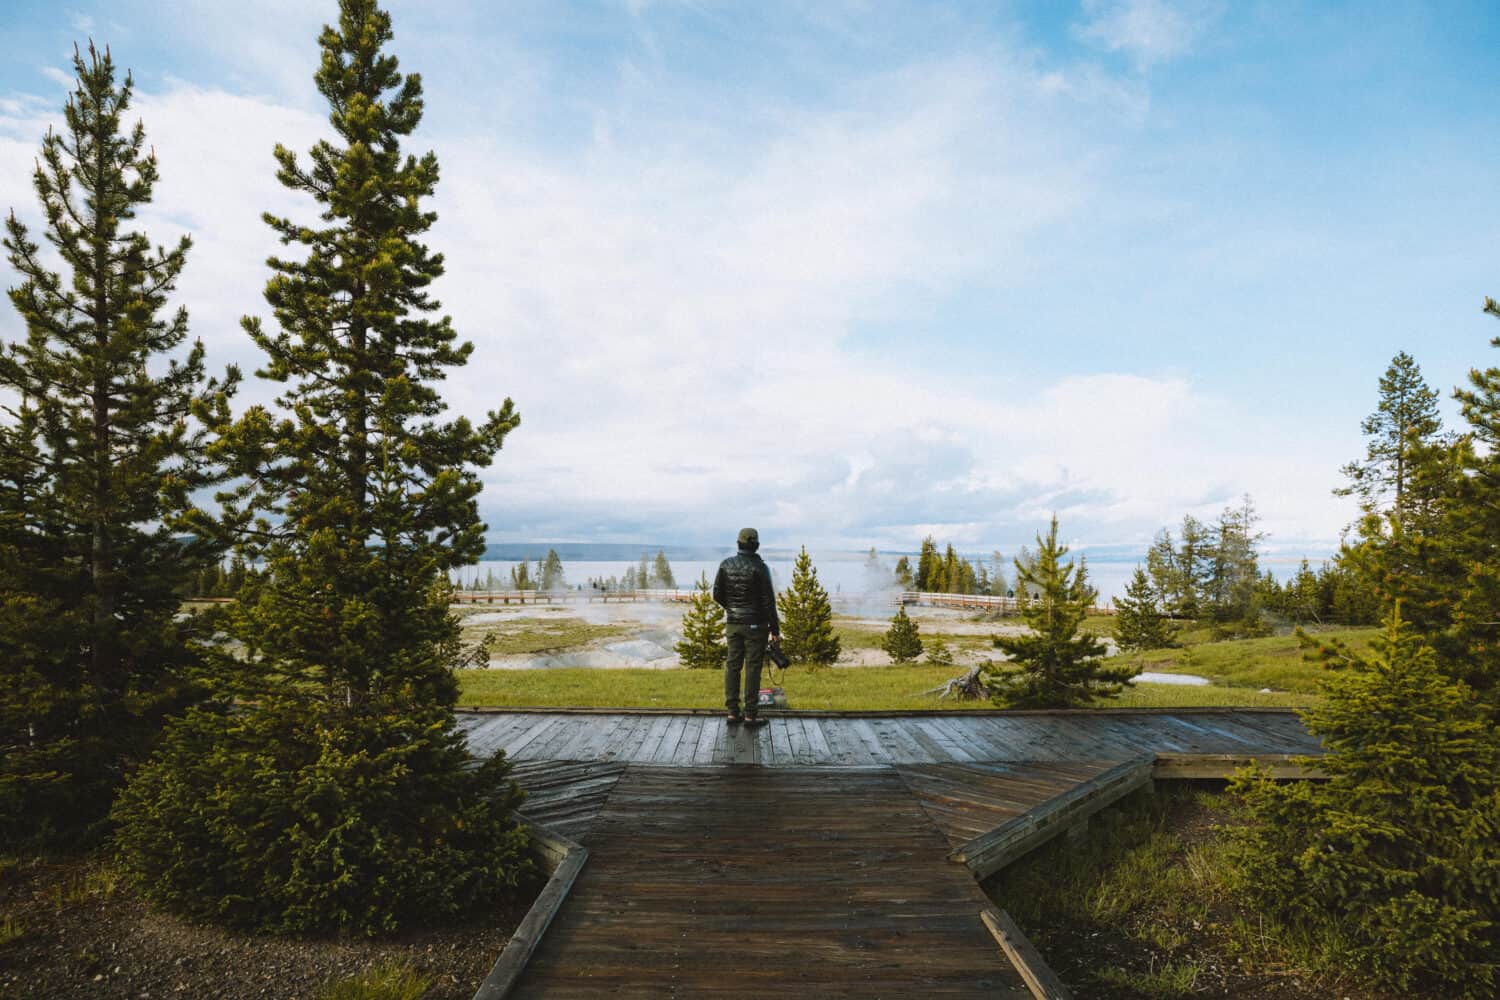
1149,31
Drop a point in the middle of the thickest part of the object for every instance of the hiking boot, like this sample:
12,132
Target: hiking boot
751,720
734,718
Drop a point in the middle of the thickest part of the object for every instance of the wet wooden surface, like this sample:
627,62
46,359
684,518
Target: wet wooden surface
790,741
737,881
811,857
966,800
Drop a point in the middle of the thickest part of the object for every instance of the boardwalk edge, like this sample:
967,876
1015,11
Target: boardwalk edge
1039,977
564,860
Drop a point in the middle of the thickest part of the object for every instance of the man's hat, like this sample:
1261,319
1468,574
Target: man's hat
749,538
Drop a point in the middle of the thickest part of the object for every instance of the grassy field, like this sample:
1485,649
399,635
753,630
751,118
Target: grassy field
1276,662
837,688
1265,672
539,635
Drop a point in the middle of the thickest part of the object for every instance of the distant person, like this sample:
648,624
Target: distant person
743,589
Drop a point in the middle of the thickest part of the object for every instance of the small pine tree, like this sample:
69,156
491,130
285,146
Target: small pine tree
807,616
1397,847
661,572
643,574
901,640
938,654
703,645
1139,623
904,578
520,576
1057,667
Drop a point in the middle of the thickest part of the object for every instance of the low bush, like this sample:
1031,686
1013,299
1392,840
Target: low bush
295,816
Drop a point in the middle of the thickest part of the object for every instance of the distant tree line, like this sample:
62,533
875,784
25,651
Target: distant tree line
947,572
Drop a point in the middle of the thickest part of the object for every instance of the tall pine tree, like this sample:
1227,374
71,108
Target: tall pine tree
807,616
661,572
1056,667
100,454
360,499
1405,418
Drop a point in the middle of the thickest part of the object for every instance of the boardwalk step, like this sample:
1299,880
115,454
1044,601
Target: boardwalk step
992,851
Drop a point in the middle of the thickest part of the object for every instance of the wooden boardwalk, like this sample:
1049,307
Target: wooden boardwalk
821,855
802,740
752,882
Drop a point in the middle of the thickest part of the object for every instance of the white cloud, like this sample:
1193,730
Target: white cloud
674,324
1149,31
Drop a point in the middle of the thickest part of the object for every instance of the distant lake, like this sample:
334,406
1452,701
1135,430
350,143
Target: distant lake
844,573
1110,567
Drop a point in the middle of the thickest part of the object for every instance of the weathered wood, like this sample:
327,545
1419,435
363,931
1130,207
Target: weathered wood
1039,977
992,851
564,860
1223,765
819,882
805,740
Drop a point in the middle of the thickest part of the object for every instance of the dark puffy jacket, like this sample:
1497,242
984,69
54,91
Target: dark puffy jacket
743,588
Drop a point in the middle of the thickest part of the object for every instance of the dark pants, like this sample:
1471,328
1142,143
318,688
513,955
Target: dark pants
747,648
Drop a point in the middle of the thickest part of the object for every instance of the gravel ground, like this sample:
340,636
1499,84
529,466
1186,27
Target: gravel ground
84,934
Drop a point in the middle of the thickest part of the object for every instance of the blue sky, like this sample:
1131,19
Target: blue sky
856,272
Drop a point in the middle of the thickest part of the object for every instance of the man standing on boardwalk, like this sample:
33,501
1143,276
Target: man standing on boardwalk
743,589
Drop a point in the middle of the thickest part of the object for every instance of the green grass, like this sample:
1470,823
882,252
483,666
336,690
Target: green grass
1277,662
849,689
856,637
1171,980
844,688
395,981
530,635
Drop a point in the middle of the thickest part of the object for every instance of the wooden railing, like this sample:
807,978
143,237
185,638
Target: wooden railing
587,595
978,602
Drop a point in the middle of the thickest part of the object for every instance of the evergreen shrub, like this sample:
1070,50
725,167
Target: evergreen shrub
298,817
1398,849
902,641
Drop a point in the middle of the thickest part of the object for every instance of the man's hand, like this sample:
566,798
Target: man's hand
776,639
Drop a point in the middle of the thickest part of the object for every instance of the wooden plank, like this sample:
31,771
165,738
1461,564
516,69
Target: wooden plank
666,751
866,733
1223,765
703,752
1039,977
646,749
822,752
687,746
951,738
519,743
988,853
938,752
797,738
781,745
847,747
523,942
902,748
